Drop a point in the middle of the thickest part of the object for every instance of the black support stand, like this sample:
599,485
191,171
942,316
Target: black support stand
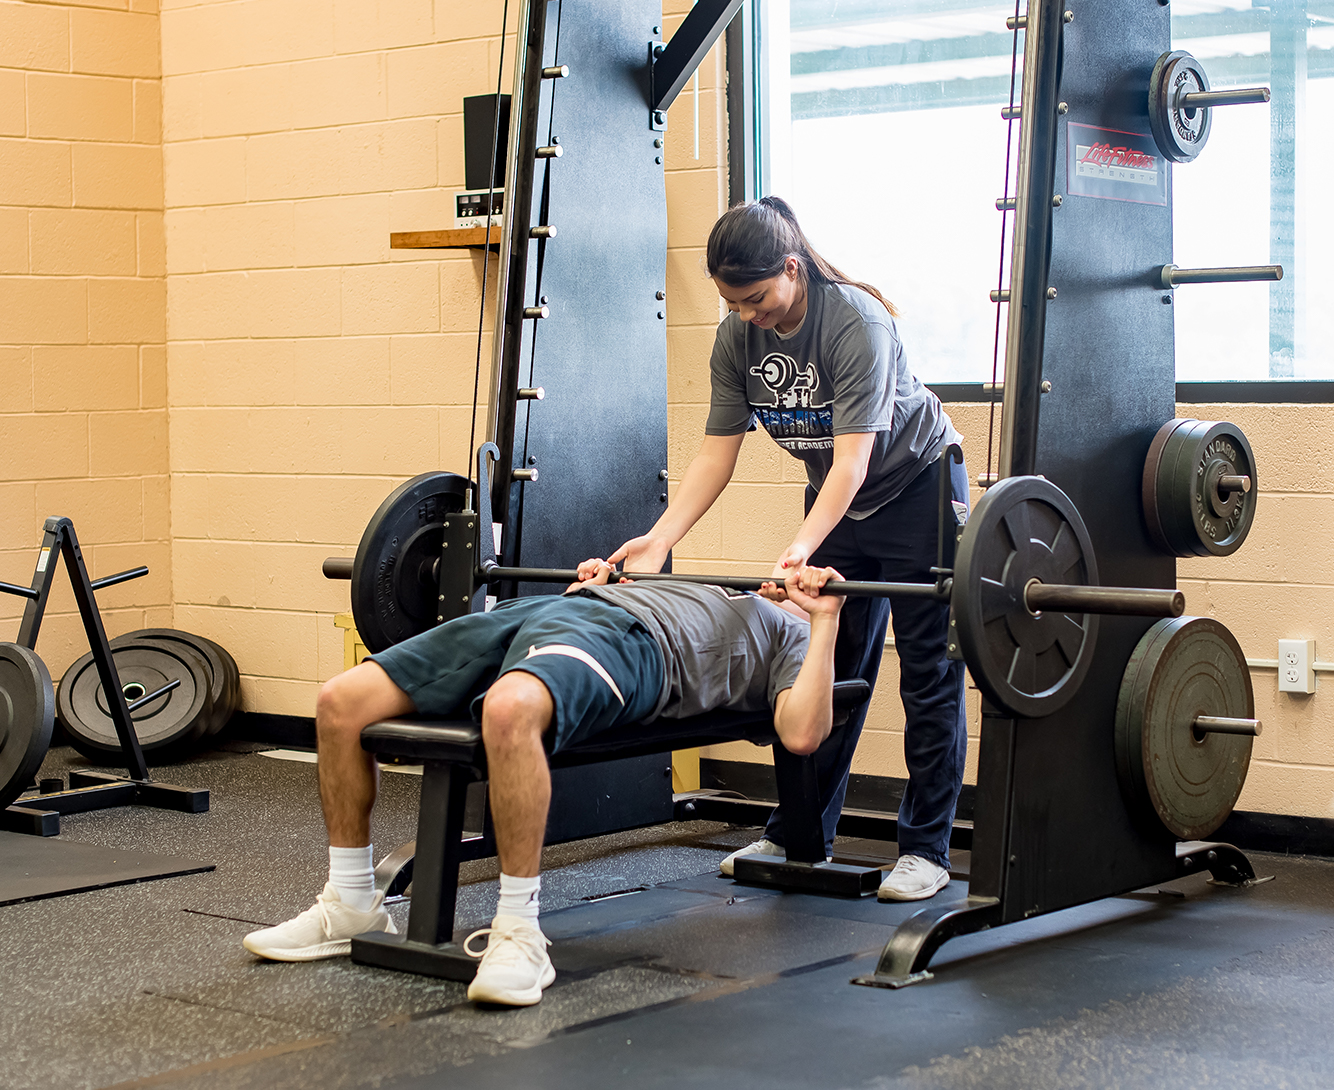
40,814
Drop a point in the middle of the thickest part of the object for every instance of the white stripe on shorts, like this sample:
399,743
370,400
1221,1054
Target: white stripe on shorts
584,657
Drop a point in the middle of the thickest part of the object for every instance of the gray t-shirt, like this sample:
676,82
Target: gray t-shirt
843,371
721,649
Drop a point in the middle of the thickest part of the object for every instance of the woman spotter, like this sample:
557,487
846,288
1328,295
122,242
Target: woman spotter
815,359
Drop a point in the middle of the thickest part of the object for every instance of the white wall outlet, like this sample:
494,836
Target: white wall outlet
1296,666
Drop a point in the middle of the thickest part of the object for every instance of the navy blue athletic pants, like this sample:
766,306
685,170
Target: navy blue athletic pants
897,544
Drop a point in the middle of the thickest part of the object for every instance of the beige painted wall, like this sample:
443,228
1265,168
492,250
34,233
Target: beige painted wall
83,370
309,368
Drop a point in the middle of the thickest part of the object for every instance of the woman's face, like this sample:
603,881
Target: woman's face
778,301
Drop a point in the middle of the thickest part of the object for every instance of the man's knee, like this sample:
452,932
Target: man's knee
354,698
518,707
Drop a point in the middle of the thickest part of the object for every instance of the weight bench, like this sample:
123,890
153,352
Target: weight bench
453,756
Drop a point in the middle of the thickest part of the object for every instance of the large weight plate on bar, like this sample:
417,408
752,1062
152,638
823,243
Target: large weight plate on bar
224,677
1186,513
1028,664
394,592
173,719
1180,133
1183,667
27,715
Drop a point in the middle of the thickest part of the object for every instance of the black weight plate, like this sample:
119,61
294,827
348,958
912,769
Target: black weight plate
1173,513
1179,133
175,718
1218,523
224,678
1028,664
394,593
27,715
1183,667
1150,488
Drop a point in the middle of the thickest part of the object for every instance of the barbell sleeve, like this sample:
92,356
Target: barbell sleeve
1229,483
1239,96
1126,601
1170,276
337,567
1218,724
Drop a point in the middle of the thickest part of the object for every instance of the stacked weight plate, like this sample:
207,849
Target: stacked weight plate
27,711
1186,510
147,660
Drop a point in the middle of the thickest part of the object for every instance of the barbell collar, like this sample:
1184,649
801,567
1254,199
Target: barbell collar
1239,96
1170,276
1125,601
337,567
1218,724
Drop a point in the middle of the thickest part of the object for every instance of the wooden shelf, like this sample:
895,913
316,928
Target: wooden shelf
474,237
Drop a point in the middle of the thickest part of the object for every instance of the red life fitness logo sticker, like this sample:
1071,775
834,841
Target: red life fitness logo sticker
1114,165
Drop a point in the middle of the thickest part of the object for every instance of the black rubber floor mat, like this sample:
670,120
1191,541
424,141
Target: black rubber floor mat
33,867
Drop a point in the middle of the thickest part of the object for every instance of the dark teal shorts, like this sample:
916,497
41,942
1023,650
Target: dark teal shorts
600,664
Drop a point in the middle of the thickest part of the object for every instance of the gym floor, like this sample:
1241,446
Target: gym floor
669,975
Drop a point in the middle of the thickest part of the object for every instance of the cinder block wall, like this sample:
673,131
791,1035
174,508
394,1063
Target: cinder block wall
312,368
83,372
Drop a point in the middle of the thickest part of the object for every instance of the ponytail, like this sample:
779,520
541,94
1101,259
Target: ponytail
753,241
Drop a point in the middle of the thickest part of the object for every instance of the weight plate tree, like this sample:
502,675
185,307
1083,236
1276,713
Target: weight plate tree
394,576
1171,770
1199,488
175,718
1024,529
27,715
224,677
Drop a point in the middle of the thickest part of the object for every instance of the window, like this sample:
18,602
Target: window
854,96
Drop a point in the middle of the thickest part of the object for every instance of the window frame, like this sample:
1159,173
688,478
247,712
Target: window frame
745,131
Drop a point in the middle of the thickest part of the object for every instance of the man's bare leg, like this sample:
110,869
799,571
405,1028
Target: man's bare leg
516,712
349,776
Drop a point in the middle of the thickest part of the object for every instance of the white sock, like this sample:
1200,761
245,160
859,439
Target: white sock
518,897
353,875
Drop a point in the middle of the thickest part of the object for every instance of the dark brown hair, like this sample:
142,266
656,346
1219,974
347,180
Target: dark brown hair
753,241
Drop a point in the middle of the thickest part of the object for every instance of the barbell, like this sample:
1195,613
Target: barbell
1023,591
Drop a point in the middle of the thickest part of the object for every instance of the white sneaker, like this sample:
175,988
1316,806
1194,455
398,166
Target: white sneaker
913,879
760,847
514,967
324,930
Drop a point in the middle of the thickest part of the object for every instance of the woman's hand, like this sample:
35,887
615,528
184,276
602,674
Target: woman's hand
792,562
645,554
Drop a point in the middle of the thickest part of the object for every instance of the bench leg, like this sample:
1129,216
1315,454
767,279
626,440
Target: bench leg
427,948
805,867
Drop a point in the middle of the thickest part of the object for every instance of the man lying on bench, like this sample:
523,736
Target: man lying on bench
597,657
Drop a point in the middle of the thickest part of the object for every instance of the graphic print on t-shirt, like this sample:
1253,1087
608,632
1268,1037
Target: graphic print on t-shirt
794,418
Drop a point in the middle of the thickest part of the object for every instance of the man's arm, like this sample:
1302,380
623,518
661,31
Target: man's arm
804,714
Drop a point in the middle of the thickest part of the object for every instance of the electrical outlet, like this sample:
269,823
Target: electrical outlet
1296,666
